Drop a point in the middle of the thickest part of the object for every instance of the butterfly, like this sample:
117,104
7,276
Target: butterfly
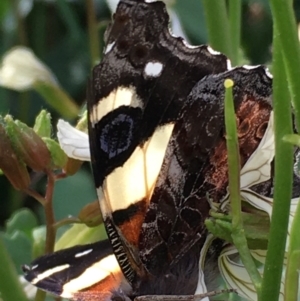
157,142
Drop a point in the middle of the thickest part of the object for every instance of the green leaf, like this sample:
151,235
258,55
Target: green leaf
10,287
39,240
80,234
19,247
22,220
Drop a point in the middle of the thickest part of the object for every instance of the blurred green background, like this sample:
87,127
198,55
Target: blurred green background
56,30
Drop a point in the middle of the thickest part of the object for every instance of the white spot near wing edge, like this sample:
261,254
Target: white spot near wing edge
153,69
83,253
109,47
212,51
136,179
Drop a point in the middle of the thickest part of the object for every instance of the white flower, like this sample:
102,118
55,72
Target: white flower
21,69
73,142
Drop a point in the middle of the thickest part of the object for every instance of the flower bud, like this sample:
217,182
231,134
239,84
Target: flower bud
58,156
91,214
13,168
42,125
21,69
28,145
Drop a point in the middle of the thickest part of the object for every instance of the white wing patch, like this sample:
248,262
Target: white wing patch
49,272
122,96
136,179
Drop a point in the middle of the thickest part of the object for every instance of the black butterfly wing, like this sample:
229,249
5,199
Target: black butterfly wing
195,166
135,97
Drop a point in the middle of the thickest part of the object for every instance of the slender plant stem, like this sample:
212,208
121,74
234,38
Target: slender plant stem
235,9
67,221
50,221
69,18
35,195
58,98
238,233
93,33
284,20
218,25
283,176
233,156
293,262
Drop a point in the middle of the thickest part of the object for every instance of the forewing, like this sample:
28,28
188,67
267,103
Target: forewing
135,97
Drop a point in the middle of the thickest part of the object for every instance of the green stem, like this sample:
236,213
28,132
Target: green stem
238,233
235,9
233,156
10,286
283,177
284,20
93,33
50,221
218,25
57,98
293,262
69,18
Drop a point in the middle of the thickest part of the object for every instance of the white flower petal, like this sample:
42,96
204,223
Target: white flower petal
257,200
201,286
259,255
21,69
266,204
236,275
73,142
